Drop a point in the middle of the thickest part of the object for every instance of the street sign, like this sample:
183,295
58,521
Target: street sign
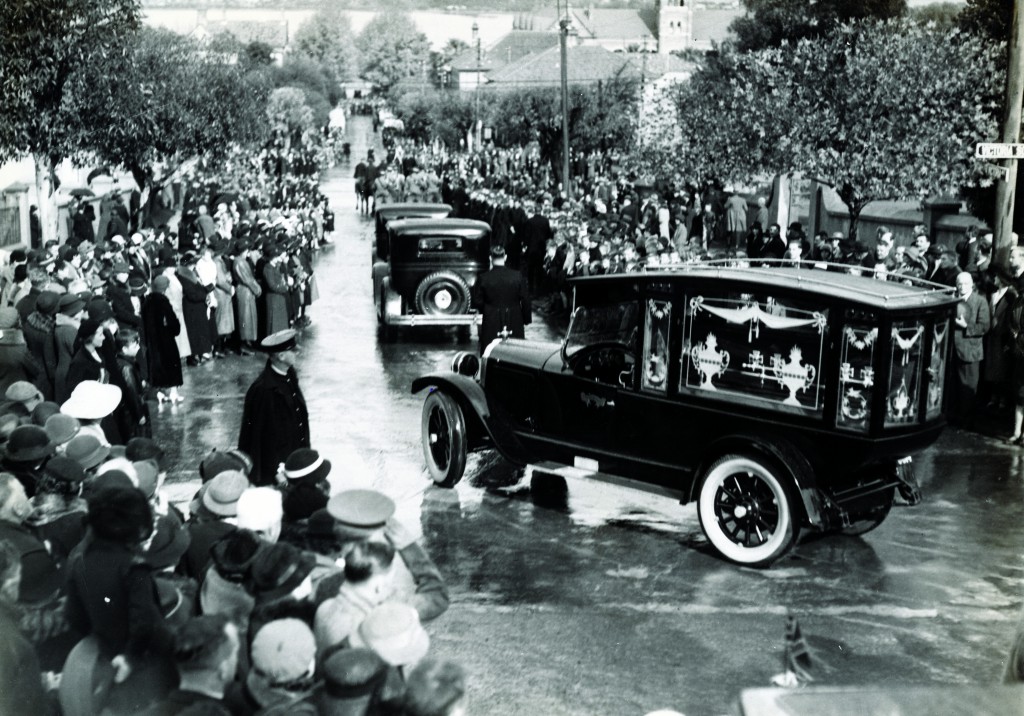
997,172
999,151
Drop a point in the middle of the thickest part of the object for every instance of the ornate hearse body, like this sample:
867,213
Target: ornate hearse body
777,398
424,265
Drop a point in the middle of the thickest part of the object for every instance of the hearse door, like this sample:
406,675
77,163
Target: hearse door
589,395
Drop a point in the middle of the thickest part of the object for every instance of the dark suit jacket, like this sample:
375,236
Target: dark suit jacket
969,341
536,233
502,297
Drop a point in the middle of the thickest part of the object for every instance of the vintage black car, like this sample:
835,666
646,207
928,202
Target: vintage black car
777,398
424,268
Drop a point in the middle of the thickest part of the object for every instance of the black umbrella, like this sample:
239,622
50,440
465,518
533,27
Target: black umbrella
225,197
81,191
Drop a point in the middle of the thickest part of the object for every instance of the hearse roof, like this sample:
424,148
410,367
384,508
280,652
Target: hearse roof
390,211
863,290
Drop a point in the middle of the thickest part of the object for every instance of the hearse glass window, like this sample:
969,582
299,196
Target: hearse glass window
656,336
439,244
857,374
742,347
904,373
614,323
937,368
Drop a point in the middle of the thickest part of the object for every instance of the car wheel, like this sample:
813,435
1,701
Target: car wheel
442,293
865,522
745,510
443,431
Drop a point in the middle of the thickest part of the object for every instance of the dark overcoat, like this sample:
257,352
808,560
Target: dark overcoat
274,422
159,327
503,298
196,313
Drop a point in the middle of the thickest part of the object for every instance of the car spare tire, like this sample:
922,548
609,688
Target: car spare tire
442,293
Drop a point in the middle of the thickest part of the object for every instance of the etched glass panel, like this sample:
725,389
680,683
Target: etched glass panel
656,337
937,369
856,377
901,402
746,347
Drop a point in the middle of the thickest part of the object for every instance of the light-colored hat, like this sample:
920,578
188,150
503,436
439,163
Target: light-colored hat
259,508
92,400
393,630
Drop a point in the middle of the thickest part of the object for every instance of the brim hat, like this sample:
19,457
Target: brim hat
394,632
137,285
64,469
42,412
233,554
282,653
220,461
99,310
48,302
138,449
170,542
92,400
87,450
28,443
352,677
71,304
360,513
279,569
221,494
307,466
61,428
120,513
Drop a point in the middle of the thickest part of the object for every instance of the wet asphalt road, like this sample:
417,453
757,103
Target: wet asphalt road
600,600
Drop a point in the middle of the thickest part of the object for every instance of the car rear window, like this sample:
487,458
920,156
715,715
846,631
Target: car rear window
439,244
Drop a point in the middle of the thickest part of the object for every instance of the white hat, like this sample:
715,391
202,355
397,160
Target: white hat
259,508
393,630
92,400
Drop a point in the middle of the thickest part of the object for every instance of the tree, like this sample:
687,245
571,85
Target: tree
989,18
45,43
289,114
165,100
944,14
318,85
392,49
770,23
327,37
878,110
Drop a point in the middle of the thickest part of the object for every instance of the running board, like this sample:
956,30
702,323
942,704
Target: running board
584,470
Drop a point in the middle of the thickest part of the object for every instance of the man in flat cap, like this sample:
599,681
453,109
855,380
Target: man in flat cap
274,420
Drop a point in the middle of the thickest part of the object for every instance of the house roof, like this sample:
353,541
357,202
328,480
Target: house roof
657,65
510,48
598,23
585,64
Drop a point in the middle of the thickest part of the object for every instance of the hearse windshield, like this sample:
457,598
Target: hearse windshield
610,323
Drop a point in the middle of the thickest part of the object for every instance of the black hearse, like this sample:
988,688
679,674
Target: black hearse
778,398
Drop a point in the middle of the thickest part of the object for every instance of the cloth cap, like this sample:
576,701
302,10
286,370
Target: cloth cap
279,342
71,304
283,650
87,450
47,302
22,391
361,512
223,492
259,508
8,318
28,443
351,674
393,630
170,541
61,428
306,465
92,400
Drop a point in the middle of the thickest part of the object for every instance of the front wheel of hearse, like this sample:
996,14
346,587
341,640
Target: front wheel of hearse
443,432
745,510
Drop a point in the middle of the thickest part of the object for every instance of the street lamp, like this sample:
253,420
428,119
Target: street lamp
563,26
476,98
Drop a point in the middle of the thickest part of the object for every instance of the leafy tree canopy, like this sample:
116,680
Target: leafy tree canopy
879,110
769,23
327,37
990,18
392,49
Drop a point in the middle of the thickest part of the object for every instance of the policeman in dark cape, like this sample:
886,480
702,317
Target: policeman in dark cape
274,421
503,298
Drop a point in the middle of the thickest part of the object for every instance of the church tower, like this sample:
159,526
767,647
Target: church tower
675,19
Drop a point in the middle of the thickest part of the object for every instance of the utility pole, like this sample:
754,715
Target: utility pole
1011,135
563,25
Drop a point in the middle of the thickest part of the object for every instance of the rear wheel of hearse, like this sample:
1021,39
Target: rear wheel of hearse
746,511
865,522
443,433
442,293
